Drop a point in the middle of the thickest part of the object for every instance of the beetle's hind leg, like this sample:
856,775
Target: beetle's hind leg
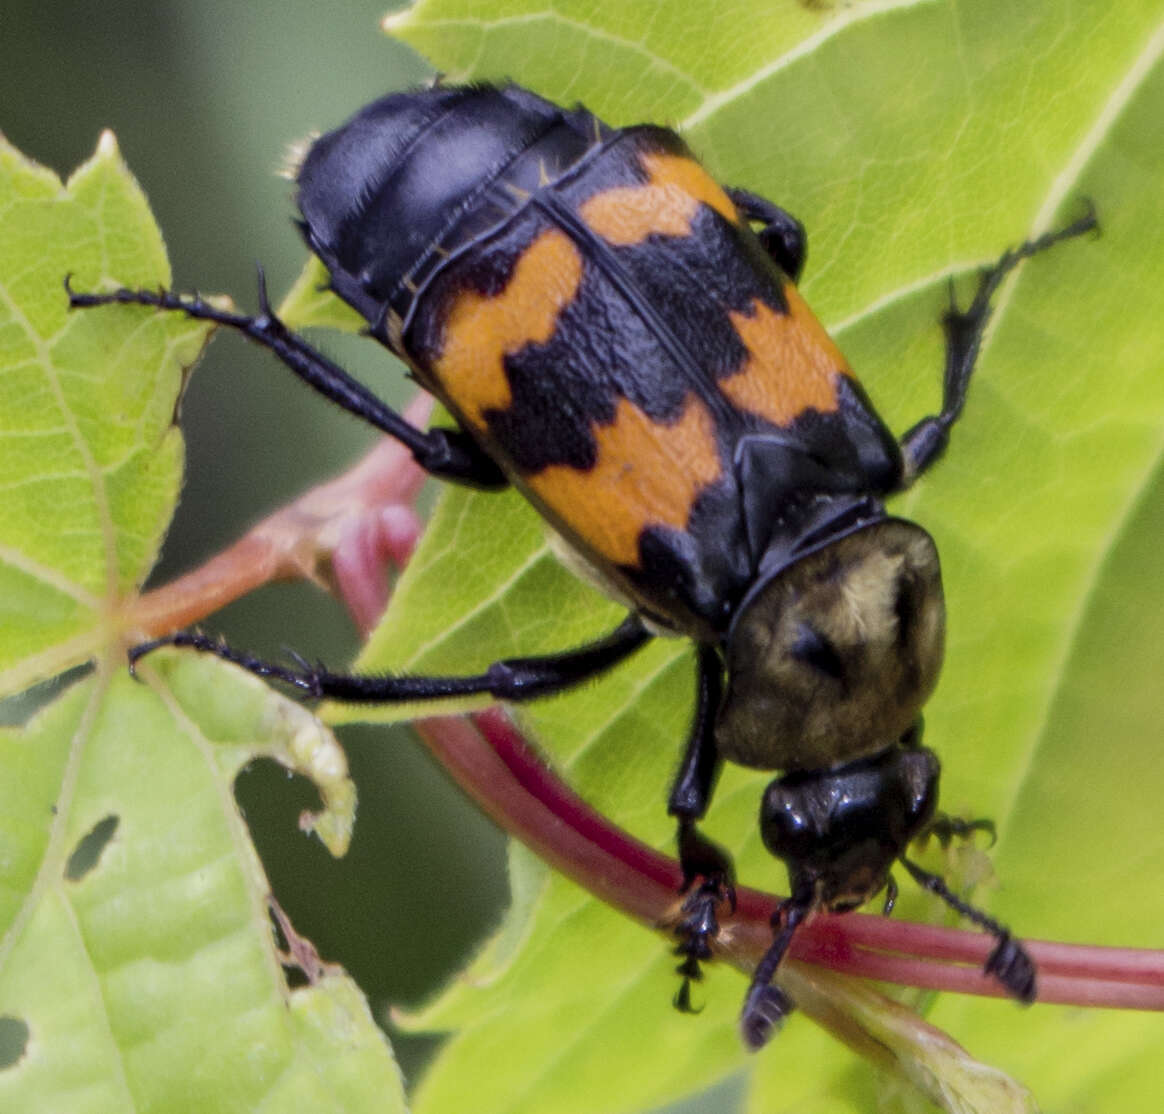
449,454
926,441
513,679
708,876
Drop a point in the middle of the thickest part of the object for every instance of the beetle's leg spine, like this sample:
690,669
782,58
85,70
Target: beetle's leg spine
890,902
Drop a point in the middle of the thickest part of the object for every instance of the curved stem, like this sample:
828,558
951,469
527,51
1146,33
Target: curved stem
298,542
506,776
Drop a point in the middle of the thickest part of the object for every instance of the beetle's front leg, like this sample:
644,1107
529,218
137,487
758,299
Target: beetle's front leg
926,441
708,877
766,1005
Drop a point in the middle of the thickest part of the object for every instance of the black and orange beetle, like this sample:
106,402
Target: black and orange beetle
621,338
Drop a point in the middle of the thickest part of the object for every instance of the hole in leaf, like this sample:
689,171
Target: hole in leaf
302,965
89,847
18,710
13,1041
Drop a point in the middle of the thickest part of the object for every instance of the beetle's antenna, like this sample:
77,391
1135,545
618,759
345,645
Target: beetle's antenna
1009,961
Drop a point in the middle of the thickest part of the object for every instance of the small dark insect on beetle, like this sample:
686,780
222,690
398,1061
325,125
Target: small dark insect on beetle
621,339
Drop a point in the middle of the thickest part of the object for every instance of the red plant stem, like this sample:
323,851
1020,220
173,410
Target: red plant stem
491,761
298,541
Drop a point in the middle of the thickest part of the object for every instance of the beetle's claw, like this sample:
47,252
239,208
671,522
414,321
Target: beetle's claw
136,653
691,972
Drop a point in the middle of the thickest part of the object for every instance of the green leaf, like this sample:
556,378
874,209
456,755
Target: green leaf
90,460
138,965
309,303
916,141
135,943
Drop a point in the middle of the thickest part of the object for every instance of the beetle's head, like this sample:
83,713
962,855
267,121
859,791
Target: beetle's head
831,656
839,831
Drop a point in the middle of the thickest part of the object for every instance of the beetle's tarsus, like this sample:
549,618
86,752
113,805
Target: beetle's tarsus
765,1009
1012,965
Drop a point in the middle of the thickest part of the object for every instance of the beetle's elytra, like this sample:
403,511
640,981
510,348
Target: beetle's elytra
620,337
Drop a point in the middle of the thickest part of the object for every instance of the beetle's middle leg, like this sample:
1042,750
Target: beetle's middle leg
707,868
448,454
922,445
781,233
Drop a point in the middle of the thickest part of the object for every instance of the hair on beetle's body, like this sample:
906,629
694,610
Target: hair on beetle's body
621,339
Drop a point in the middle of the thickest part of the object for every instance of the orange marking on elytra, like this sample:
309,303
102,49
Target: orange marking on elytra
665,204
792,365
480,331
647,474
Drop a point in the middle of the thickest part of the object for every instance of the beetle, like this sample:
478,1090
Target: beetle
621,338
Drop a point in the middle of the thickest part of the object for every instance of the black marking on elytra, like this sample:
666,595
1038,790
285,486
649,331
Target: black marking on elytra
601,351
686,570
621,163
851,447
695,281
858,435
604,349
649,323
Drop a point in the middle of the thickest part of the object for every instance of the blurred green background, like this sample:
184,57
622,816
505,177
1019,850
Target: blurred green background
204,97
